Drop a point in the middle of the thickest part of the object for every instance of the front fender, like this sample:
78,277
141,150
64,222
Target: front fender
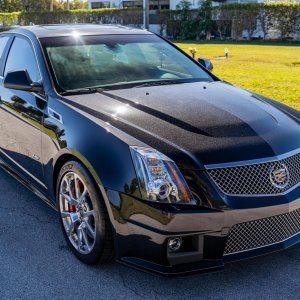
78,136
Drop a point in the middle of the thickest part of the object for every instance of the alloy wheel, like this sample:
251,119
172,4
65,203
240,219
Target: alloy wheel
77,213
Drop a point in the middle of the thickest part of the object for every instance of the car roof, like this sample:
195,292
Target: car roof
41,31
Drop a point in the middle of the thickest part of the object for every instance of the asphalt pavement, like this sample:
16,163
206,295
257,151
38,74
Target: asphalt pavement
35,263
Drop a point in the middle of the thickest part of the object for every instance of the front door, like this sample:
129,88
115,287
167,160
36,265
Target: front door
21,115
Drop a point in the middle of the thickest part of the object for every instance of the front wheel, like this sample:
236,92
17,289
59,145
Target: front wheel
83,215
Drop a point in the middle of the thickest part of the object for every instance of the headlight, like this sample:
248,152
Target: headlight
159,178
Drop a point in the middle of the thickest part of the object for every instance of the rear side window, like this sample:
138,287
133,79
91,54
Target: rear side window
3,42
21,57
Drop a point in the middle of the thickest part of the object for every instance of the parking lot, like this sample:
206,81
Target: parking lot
35,263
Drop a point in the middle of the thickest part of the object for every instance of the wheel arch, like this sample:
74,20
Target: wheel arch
68,156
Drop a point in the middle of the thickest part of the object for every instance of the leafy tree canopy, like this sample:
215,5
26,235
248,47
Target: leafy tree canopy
39,5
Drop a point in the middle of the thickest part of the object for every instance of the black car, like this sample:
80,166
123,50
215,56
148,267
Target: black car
148,157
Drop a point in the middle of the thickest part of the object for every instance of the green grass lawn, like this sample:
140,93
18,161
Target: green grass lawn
271,70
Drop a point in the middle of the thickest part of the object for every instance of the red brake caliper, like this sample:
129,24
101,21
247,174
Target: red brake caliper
72,208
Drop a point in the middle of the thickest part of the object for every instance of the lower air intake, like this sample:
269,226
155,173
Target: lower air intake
262,232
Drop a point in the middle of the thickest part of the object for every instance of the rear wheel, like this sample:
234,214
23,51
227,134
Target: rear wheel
83,215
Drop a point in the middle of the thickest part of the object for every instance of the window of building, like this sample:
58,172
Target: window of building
132,4
153,6
101,4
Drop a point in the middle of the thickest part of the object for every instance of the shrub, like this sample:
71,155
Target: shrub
183,23
233,19
97,16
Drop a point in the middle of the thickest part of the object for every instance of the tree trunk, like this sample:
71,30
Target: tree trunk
51,5
68,4
208,35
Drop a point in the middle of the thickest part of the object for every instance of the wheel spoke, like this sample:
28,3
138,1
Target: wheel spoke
79,237
68,193
81,199
90,229
70,199
89,213
70,229
76,184
65,214
85,239
68,186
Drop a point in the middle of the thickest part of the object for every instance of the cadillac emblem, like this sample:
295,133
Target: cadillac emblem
279,176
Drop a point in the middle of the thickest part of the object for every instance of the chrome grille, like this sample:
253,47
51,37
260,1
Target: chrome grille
254,179
262,232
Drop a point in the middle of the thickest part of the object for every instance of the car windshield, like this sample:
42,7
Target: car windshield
112,61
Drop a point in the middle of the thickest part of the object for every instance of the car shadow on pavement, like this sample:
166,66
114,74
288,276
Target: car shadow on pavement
36,262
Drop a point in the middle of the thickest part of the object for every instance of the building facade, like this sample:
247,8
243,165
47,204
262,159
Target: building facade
156,4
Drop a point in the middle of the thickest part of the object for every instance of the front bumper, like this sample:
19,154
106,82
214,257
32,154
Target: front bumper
142,233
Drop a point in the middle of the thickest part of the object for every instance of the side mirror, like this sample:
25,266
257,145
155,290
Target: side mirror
20,80
206,63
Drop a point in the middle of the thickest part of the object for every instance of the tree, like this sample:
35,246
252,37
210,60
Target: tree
75,4
285,19
248,15
33,5
163,20
79,4
10,5
264,21
186,20
184,5
223,19
205,18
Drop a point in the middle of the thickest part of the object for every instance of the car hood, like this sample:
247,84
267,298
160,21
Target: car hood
196,124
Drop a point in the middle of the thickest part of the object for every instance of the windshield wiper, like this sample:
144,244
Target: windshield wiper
159,82
82,91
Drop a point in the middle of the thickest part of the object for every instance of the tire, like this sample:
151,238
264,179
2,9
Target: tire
83,216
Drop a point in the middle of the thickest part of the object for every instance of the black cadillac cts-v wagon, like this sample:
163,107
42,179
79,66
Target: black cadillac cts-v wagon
148,157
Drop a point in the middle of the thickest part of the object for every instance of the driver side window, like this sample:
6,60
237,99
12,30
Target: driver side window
21,57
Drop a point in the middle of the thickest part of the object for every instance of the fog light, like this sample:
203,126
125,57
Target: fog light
174,244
